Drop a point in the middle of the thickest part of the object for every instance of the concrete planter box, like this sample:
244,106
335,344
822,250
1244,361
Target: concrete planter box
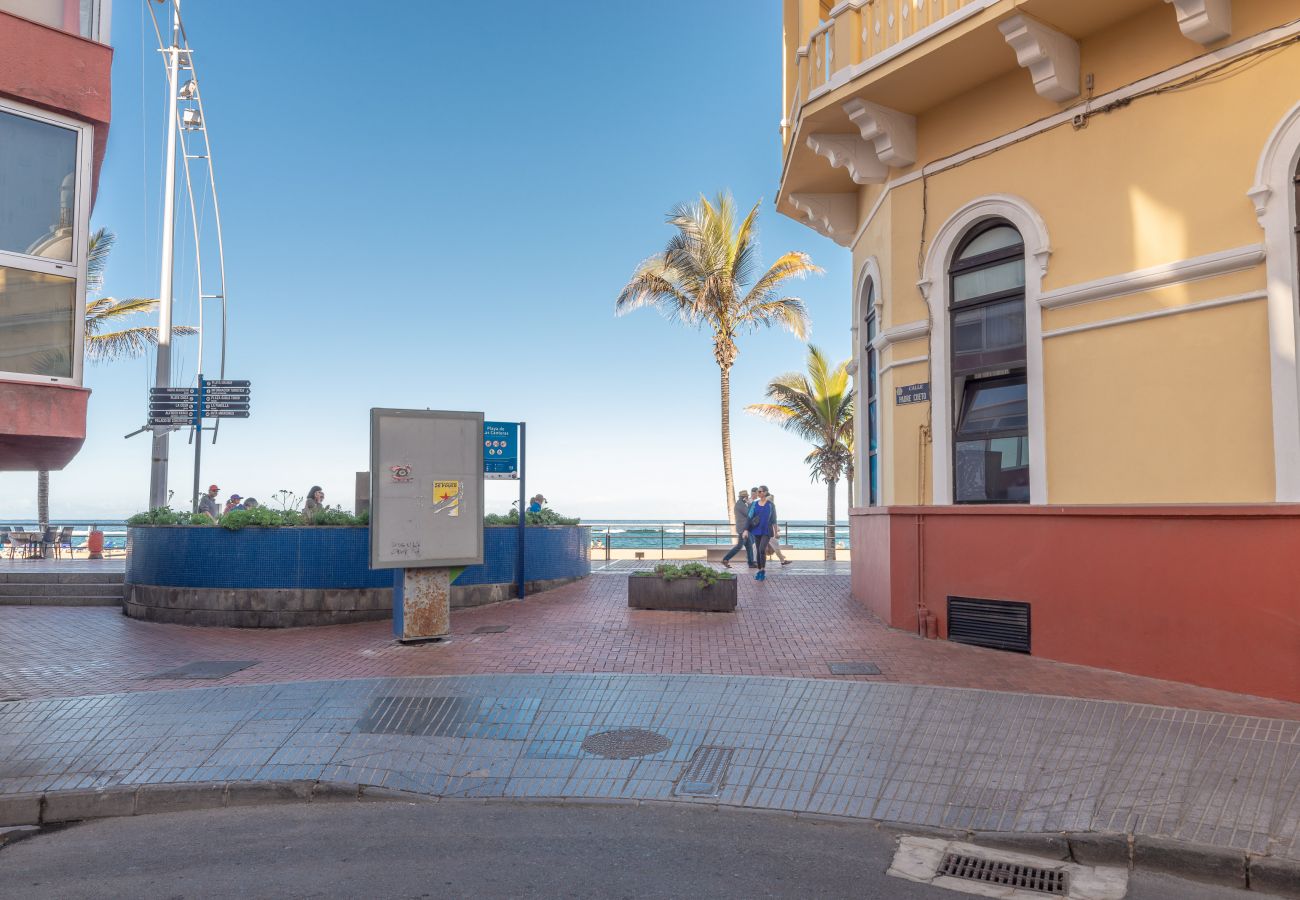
286,577
684,594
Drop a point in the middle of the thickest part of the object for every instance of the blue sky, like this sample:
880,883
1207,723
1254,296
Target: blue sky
436,208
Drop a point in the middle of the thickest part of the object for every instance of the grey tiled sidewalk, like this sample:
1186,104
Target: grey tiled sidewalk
944,757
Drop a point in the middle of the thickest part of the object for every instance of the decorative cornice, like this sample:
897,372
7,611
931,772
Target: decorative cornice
1204,21
1159,313
1051,57
909,331
848,151
832,215
1280,141
890,132
1153,277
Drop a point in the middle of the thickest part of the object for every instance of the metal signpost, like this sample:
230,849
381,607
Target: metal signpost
503,457
426,510
212,399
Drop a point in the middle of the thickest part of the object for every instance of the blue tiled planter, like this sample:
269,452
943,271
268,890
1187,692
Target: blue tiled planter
275,577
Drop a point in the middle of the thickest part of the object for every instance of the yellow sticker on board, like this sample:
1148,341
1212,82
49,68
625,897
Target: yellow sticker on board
446,498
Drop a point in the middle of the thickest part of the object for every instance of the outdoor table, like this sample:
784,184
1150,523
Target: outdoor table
33,541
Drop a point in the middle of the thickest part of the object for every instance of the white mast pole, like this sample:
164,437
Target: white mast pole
163,377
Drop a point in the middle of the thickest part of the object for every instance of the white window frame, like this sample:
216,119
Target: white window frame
76,267
934,287
1274,197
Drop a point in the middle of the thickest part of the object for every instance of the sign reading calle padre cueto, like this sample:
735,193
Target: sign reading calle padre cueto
426,503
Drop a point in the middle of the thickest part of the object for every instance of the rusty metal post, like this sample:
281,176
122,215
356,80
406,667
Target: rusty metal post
421,604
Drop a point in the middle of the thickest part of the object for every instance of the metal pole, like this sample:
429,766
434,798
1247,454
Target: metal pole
523,513
198,445
163,373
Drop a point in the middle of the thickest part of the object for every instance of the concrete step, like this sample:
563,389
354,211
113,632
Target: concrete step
91,577
61,601
45,589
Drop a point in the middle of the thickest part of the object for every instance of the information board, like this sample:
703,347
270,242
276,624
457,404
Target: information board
426,488
500,449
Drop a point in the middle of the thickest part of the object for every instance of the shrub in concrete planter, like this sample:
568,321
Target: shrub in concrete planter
689,588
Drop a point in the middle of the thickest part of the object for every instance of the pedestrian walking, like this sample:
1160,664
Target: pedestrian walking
776,532
740,516
760,528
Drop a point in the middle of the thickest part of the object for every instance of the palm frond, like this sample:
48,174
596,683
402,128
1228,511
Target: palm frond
128,343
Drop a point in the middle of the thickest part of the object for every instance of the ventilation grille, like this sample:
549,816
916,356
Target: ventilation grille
1000,624
1006,874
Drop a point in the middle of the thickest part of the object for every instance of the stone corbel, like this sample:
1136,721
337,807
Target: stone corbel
1204,21
1051,57
890,132
832,215
848,151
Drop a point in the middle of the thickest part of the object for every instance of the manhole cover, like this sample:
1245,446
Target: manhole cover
1005,874
207,670
491,629
705,774
854,668
626,743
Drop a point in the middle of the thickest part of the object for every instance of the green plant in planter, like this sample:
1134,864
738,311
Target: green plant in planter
669,572
532,519
163,515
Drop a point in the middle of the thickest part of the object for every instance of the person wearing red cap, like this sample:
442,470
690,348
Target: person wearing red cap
208,503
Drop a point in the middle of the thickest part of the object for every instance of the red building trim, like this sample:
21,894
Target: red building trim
62,72
42,426
1208,595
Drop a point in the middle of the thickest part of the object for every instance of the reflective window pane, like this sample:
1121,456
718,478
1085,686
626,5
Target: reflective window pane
37,187
992,408
36,323
994,239
993,471
871,425
999,326
1004,276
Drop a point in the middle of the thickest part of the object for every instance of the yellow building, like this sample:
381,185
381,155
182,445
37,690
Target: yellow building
1074,233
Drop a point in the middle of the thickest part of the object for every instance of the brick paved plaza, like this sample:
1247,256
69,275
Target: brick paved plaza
798,624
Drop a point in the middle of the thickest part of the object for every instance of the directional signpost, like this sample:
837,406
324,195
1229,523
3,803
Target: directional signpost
176,407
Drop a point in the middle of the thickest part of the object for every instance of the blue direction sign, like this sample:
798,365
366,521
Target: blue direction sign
500,449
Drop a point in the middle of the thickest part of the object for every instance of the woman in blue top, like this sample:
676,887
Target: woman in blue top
760,529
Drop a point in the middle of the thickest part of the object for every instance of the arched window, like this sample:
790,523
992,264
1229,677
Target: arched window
870,402
989,389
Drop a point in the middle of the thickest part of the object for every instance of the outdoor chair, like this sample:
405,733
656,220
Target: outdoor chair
4,540
65,540
48,540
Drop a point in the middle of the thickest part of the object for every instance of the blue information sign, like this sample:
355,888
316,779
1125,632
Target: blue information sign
500,449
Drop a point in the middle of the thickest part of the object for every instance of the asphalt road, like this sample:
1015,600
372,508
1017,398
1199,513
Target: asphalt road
459,849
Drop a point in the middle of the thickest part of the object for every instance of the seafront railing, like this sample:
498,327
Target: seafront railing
668,540
114,534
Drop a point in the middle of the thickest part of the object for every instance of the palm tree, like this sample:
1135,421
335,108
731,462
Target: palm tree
817,406
104,345
700,279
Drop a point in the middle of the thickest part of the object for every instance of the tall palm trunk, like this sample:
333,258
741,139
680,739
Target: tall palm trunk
726,442
43,500
849,477
830,519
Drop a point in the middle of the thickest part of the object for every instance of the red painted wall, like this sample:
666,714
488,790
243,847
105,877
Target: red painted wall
1203,594
42,426
58,71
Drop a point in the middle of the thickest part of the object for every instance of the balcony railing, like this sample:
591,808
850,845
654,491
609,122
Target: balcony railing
88,18
862,34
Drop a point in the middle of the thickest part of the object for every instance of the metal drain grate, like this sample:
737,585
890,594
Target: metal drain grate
626,743
706,772
854,668
207,670
491,718
491,629
1006,874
